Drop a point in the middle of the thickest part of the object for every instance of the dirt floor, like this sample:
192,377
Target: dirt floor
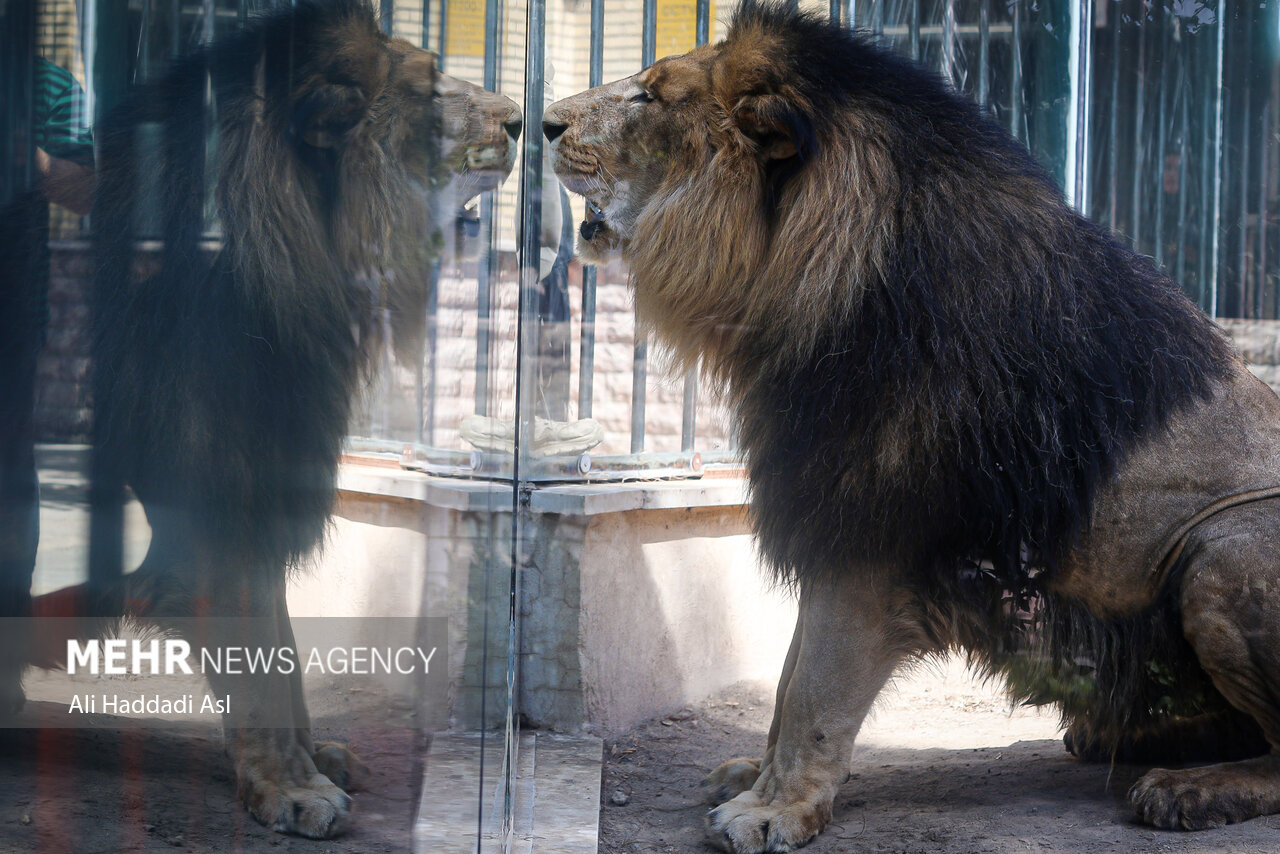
942,767
102,791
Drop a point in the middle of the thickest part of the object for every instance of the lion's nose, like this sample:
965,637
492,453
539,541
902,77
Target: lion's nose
514,126
552,129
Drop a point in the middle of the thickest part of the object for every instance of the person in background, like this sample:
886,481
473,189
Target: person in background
64,144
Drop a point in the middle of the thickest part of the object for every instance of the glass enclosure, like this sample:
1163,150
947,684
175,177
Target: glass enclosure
1161,120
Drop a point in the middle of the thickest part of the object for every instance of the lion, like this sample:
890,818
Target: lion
224,379
973,420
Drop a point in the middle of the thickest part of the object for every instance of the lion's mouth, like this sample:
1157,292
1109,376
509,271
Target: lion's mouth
593,223
467,221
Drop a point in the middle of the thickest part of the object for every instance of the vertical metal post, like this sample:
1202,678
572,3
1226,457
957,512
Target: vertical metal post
949,42
596,68
648,33
689,414
1184,151
442,36
110,38
1208,98
913,27
984,53
1113,130
387,12
488,259
1246,306
426,24
207,34
1264,177
484,311
1081,65
877,17
586,351
143,69
427,412
175,29
702,21
1139,116
640,358
530,227
1217,160
1162,134
1249,307
1015,76
527,334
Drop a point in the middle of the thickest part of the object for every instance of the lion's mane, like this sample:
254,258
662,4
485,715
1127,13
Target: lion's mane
224,374
936,360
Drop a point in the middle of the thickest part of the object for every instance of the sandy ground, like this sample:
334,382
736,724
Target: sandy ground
943,767
102,790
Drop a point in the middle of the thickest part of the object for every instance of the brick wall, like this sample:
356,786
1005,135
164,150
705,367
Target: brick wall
390,406
63,409
1258,342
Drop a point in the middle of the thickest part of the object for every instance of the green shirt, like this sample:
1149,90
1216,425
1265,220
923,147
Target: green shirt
60,124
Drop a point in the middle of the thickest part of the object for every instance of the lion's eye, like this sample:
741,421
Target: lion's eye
641,97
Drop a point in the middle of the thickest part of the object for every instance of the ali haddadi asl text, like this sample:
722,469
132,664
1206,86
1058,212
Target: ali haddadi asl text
114,704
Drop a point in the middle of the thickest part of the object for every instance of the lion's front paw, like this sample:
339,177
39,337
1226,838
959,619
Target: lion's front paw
285,791
748,825
729,780
340,765
1200,798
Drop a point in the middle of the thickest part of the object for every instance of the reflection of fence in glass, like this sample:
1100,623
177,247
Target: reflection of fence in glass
1162,118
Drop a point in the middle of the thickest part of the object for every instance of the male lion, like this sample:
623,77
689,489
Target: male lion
973,419
224,380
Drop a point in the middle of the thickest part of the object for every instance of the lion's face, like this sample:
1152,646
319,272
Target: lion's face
702,172
717,109
346,154
616,144
383,95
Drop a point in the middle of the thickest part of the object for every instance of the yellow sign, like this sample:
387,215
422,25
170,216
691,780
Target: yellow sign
464,28
678,26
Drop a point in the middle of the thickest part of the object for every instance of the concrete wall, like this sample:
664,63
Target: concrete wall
635,599
1258,342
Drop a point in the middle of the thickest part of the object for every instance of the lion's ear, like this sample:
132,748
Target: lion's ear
748,86
777,128
323,117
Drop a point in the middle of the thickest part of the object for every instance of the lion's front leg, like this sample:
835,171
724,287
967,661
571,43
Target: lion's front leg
267,726
850,638
735,776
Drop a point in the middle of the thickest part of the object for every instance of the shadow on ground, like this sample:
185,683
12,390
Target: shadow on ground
1010,795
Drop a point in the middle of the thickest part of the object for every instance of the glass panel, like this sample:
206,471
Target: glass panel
300,269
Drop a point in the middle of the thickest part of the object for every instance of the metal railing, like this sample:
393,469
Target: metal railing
1134,107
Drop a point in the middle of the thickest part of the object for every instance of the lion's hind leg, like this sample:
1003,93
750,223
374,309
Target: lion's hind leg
1220,736
1230,599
